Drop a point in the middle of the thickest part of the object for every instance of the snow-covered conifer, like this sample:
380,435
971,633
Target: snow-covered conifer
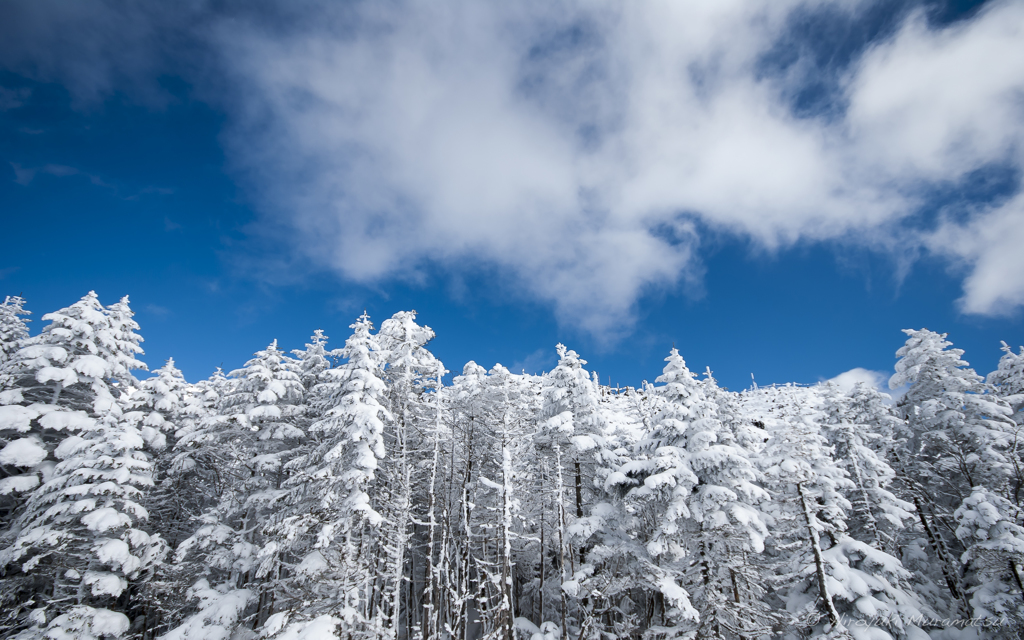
255,436
409,369
80,536
12,327
328,515
705,494
856,426
313,360
958,438
990,528
830,582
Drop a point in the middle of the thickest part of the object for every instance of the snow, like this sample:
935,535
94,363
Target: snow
106,518
219,610
11,396
69,447
525,626
868,632
109,623
678,597
17,417
68,421
105,583
117,554
46,351
66,377
325,627
91,366
312,565
18,484
274,624
24,452
86,623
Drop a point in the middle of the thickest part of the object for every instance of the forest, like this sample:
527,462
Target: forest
350,492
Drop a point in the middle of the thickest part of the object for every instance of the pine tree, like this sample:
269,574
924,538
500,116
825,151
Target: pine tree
409,372
256,435
856,425
705,494
164,406
1008,383
80,537
990,528
958,436
832,584
12,327
313,361
326,522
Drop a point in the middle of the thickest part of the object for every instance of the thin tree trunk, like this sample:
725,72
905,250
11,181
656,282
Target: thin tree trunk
819,562
561,539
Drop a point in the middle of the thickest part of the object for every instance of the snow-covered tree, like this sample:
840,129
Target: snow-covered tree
409,370
1008,383
325,525
831,583
81,536
313,361
257,435
856,425
12,327
958,438
704,494
990,528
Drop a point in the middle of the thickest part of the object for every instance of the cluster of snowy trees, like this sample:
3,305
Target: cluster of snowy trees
351,493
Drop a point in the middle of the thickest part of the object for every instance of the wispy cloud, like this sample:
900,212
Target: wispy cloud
25,175
156,310
537,362
13,98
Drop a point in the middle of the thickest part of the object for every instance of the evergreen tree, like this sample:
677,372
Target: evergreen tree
831,583
705,495
1008,383
856,425
256,434
326,523
990,528
958,437
313,360
12,327
80,538
409,370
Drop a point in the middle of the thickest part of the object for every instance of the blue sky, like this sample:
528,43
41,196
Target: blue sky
776,191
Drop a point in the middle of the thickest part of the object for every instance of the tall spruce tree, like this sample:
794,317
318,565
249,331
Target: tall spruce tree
958,436
80,540
12,326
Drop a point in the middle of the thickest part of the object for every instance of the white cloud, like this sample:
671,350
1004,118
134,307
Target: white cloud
579,147
850,379
564,142
990,247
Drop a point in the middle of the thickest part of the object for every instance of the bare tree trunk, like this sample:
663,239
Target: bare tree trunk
507,613
561,539
429,615
819,562
543,549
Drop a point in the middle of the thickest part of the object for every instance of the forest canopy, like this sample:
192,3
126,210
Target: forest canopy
349,492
